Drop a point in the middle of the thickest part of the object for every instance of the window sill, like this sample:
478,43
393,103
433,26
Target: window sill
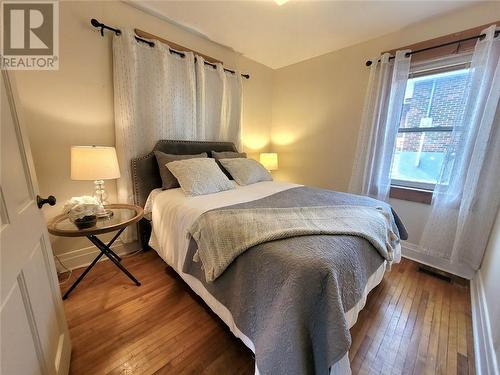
411,194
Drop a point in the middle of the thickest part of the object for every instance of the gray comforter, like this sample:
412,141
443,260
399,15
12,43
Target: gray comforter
289,296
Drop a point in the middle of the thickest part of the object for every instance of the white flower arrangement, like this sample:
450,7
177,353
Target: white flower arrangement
79,207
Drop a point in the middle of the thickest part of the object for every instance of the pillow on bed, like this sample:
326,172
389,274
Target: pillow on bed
246,171
168,180
227,155
199,176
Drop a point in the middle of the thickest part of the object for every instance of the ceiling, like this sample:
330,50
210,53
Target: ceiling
280,35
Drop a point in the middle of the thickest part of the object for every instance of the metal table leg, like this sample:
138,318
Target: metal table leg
80,278
111,243
104,250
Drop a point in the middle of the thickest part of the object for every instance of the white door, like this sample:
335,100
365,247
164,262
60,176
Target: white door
34,337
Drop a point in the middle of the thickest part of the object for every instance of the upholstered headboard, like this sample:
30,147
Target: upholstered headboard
145,171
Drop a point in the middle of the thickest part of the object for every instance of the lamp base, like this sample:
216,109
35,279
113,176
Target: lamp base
101,196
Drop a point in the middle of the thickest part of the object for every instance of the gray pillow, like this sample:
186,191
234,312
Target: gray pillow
227,155
168,180
199,176
246,171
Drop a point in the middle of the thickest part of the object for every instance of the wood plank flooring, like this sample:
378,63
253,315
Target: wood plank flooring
413,323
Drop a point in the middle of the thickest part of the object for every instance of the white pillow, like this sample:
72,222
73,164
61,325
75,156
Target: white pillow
199,176
246,171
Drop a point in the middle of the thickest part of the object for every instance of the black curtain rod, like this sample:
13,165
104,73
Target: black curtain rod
103,27
480,36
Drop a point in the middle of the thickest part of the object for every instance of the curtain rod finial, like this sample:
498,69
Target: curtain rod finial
102,26
368,63
97,24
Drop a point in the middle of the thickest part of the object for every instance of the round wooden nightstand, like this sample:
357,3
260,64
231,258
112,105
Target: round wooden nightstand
123,216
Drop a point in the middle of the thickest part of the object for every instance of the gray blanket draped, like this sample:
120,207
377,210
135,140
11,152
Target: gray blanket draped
222,235
289,296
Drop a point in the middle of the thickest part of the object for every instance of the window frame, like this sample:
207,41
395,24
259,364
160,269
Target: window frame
421,191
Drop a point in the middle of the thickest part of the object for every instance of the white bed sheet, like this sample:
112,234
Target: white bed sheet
173,213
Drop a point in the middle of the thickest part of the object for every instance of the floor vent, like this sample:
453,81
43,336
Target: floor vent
434,272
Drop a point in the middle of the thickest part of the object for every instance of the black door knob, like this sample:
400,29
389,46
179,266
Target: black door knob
51,200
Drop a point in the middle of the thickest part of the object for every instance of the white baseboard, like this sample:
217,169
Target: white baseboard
414,252
84,256
486,360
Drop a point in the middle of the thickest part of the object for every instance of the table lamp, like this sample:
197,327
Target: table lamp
269,160
95,163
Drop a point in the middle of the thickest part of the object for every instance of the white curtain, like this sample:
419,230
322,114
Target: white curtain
219,97
209,99
154,98
233,108
161,95
379,126
467,196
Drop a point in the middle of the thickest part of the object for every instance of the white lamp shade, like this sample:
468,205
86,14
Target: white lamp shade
269,160
94,163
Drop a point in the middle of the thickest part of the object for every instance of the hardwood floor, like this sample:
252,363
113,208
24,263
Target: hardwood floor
413,323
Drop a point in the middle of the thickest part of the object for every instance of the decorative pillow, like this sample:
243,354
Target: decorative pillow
246,171
227,155
167,178
199,176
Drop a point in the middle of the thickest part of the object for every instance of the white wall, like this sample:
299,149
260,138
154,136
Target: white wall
74,105
490,280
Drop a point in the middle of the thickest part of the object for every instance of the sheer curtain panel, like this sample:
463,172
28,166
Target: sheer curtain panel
233,108
379,126
161,95
209,99
464,206
219,97
154,98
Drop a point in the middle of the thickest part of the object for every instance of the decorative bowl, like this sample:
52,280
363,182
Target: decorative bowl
85,222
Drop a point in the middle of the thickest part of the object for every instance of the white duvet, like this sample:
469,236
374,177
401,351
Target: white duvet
173,213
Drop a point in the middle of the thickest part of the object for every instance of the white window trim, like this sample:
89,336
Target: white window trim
413,184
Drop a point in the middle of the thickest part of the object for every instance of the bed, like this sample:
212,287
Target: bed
291,301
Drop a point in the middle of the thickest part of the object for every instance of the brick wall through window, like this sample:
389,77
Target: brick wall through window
435,100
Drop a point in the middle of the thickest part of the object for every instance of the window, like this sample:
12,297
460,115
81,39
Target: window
433,104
